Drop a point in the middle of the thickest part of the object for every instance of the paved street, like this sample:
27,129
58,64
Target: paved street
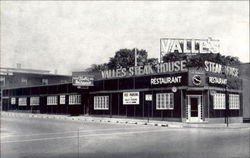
23,137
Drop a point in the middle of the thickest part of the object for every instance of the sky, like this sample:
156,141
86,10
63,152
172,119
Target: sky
72,35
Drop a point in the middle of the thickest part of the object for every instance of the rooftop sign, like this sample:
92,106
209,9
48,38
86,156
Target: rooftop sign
192,46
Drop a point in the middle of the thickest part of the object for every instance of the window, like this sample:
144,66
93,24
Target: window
74,99
52,100
34,100
2,81
164,101
101,102
219,101
234,101
63,81
13,101
22,101
24,81
45,81
62,99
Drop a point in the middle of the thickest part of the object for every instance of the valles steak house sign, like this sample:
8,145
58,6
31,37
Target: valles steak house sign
168,67
171,45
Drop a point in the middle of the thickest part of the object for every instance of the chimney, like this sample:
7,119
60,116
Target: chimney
18,65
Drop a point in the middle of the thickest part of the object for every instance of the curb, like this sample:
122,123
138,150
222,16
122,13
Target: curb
124,121
90,119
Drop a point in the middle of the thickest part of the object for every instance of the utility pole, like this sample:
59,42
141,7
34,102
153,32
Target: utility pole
148,111
227,106
135,57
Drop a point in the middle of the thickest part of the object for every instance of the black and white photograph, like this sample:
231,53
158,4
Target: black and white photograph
124,79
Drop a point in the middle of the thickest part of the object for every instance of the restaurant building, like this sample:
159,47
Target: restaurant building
171,91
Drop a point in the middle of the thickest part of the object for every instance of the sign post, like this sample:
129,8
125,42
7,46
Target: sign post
148,98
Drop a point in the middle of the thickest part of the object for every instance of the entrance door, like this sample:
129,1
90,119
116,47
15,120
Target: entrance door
194,108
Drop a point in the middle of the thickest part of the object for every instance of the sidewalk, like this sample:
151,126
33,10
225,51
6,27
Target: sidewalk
127,121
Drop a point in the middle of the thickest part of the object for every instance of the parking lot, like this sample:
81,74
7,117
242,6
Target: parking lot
54,138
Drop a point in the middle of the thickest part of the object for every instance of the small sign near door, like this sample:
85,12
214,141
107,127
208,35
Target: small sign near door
148,97
174,89
212,92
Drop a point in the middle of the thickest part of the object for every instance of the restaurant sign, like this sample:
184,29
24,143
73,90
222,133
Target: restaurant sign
217,80
165,80
169,80
81,79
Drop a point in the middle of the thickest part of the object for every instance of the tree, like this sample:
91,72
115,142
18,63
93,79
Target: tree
123,58
174,57
198,60
152,61
96,68
126,58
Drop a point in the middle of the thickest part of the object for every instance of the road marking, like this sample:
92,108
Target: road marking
86,135
73,131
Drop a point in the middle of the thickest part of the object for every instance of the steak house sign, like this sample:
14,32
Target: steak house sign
167,67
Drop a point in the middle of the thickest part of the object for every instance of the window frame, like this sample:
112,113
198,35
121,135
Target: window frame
45,81
23,101
36,99
52,100
24,80
219,101
101,102
165,101
2,81
234,101
75,99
